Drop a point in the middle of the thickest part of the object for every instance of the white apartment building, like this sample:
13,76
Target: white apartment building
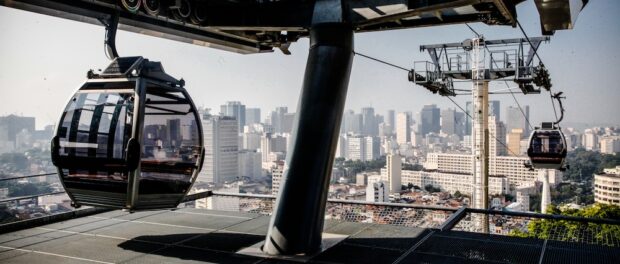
508,166
609,144
451,182
607,186
377,190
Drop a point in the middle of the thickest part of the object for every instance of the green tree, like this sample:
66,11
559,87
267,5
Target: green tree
576,231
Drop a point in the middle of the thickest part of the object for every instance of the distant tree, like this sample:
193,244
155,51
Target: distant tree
457,194
430,188
584,163
572,230
413,167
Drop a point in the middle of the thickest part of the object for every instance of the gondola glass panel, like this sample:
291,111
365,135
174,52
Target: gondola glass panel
92,137
171,145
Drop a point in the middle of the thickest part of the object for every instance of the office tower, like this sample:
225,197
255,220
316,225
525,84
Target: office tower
250,164
494,110
369,124
590,140
429,120
221,150
459,123
394,168
252,116
448,121
516,120
373,145
286,123
356,148
251,141
234,109
514,142
390,118
276,117
12,125
403,128
497,137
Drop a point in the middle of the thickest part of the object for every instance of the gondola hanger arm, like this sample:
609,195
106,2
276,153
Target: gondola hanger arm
111,26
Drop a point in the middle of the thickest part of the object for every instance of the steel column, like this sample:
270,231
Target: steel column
297,223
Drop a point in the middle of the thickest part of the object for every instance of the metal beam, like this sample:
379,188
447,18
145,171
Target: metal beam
297,223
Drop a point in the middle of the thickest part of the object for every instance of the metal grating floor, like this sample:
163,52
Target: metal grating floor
196,235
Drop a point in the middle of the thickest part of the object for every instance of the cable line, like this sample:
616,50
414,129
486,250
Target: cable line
381,61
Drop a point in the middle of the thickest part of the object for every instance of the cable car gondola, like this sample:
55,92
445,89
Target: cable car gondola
547,148
129,138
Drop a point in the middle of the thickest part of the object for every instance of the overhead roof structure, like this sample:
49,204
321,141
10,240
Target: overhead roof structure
252,26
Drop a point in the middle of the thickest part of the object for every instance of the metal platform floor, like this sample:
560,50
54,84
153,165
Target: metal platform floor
197,235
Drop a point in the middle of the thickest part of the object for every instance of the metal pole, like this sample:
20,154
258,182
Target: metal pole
480,134
297,223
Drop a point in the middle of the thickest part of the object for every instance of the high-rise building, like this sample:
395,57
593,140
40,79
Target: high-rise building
394,168
609,144
362,148
234,109
429,120
221,150
390,118
250,141
272,143
516,120
377,190
277,172
514,142
403,128
286,123
12,125
369,124
275,118
373,146
590,140
494,110
250,164
459,123
448,121
252,116
497,137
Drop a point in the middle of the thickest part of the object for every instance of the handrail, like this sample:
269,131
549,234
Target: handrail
414,206
12,199
546,216
28,176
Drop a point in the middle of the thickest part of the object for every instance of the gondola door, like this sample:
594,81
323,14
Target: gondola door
171,146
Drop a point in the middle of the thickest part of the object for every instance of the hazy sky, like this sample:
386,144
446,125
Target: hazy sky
44,59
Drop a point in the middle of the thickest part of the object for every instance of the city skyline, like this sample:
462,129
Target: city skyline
270,80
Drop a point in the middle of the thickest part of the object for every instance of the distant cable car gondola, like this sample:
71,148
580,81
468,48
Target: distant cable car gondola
547,148
129,138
